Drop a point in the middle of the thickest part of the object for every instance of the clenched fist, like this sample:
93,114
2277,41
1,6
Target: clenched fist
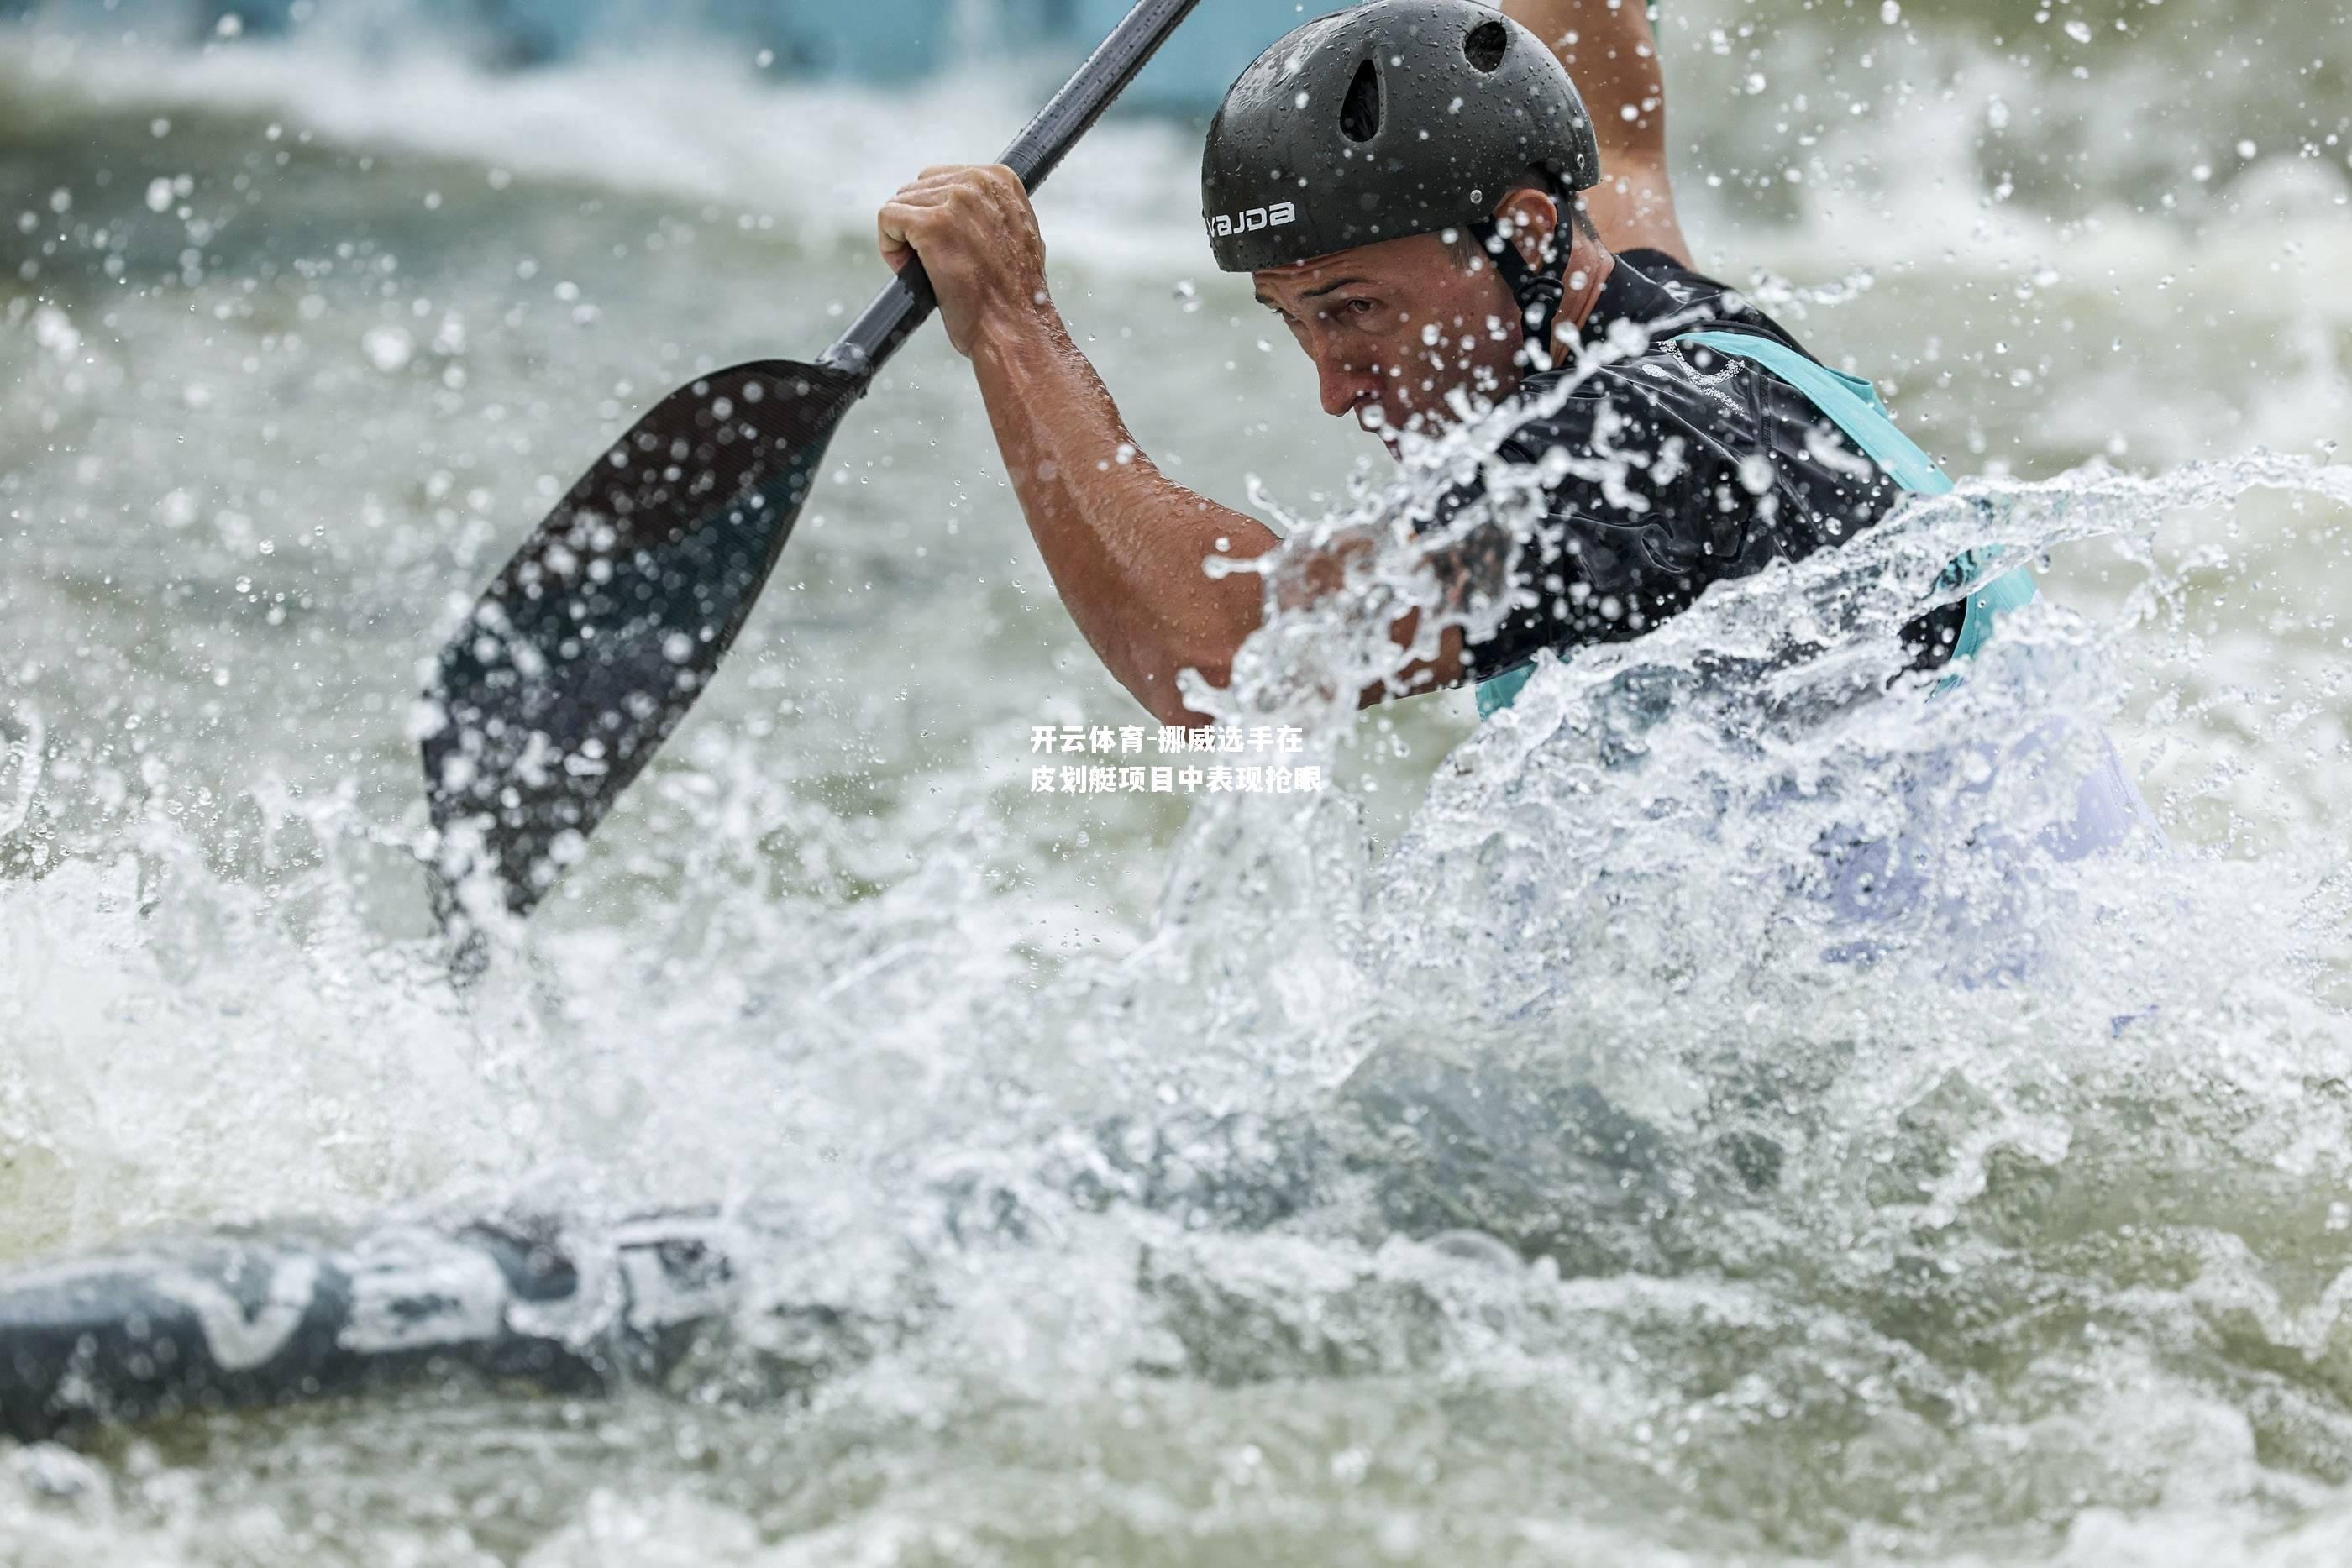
977,234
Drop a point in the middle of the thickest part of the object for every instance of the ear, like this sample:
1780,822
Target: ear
1531,219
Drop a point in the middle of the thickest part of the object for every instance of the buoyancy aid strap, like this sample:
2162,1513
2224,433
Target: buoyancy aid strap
1852,403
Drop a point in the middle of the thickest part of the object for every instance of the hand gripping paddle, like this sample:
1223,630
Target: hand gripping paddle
594,640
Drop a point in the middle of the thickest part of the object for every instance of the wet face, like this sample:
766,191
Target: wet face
1408,334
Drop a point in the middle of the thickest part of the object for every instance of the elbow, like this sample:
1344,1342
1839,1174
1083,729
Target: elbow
1177,715
1205,644
1160,692
1166,705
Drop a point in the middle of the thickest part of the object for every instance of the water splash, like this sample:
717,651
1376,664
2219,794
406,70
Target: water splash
1530,1172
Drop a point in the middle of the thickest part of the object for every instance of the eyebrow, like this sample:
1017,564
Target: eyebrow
1337,283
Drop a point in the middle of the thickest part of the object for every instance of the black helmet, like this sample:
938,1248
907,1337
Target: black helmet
1396,118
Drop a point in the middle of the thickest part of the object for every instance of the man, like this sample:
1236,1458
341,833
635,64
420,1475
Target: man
1419,192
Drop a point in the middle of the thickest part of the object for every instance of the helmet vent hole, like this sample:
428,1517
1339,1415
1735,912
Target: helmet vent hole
1360,112
1487,45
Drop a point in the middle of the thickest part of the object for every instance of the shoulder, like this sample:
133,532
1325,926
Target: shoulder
1701,302
1660,385
1676,277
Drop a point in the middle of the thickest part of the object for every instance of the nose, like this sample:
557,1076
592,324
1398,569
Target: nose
1344,384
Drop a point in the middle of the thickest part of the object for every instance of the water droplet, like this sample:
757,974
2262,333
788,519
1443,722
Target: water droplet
387,348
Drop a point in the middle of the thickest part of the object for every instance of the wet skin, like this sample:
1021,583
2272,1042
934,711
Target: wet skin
1125,544
1406,335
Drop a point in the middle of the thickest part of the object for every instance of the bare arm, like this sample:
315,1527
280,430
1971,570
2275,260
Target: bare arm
1125,543
1609,49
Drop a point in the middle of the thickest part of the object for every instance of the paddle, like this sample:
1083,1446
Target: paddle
596,638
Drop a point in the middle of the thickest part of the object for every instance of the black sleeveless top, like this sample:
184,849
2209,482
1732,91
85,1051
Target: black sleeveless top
1715,467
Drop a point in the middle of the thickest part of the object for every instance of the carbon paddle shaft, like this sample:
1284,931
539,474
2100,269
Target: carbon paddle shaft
904,306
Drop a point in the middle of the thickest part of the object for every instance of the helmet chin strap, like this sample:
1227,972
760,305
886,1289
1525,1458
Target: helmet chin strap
1538,291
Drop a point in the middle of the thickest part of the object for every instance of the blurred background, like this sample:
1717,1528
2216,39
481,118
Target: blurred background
309,310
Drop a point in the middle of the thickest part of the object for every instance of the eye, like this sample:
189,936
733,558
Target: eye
1357,307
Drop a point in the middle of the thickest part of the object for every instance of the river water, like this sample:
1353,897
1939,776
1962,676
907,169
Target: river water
1501,1156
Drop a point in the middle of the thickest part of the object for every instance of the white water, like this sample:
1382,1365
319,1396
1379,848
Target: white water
1828,1260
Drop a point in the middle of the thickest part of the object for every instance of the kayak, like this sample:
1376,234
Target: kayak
230,1320
288,1312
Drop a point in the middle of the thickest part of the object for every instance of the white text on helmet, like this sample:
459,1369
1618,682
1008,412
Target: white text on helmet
1256,218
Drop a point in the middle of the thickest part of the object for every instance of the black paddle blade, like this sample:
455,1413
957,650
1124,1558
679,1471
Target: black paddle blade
596,638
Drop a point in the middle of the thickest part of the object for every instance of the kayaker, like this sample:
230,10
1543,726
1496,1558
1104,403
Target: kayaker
1421,195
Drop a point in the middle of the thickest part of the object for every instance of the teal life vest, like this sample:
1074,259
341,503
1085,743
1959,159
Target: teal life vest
1853,405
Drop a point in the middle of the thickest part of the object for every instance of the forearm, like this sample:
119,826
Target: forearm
1609,49
1125,543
